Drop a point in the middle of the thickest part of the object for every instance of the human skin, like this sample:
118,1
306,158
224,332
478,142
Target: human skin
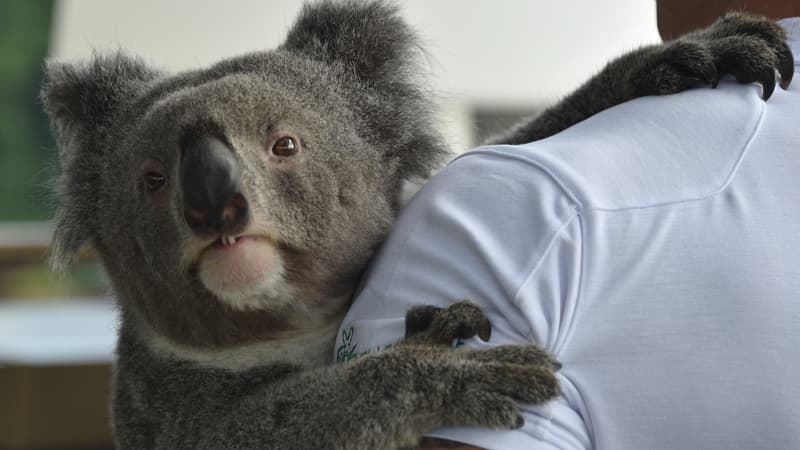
677,17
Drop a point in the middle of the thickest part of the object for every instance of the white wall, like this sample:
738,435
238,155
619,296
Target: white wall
498,52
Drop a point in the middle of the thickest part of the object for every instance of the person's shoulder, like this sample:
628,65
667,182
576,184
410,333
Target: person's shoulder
648,151
497,178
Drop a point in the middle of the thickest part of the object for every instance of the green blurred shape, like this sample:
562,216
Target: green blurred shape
35,281
26,148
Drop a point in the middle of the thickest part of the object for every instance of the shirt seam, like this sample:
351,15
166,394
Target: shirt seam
576,319
574,198
569,327
577,208
722,188
554,237
538,165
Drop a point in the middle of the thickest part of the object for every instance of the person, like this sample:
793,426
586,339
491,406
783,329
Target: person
653,249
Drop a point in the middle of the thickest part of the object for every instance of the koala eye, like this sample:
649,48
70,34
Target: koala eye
285,147
153,181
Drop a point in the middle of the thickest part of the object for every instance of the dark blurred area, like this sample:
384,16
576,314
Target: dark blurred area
56,330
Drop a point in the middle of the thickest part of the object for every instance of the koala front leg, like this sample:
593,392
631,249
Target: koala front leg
407,391
748,47
386,400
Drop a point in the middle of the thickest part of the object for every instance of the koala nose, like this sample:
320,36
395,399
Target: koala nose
210,178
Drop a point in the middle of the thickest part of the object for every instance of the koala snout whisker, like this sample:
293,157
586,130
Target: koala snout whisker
213,200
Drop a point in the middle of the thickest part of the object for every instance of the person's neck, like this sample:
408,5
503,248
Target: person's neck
676,18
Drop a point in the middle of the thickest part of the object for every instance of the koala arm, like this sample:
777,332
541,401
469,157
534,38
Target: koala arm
389,400
747,47
386,400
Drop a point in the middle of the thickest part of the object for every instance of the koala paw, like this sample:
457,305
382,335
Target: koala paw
440,326
748,47
490,388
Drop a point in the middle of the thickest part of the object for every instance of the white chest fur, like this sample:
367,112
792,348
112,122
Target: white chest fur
307,349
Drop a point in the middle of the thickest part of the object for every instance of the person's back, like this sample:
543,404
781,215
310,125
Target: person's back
653,248
680,328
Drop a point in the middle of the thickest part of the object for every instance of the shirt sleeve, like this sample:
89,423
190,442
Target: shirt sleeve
500,231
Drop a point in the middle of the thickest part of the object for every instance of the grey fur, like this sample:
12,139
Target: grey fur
345,82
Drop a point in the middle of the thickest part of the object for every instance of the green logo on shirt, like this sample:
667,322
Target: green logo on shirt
348,349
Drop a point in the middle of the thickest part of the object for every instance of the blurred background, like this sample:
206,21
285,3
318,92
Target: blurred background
489,63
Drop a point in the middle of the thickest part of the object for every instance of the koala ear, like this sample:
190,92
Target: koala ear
369,37
81,98
372,41
82,101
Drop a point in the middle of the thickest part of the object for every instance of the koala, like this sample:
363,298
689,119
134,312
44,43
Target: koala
234,208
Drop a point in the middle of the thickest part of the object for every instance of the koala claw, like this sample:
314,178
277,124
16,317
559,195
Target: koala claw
787,66
434,325
750,48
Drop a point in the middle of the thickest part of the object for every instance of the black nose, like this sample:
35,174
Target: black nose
213,199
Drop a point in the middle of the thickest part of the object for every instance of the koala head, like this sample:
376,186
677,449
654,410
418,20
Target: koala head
241,201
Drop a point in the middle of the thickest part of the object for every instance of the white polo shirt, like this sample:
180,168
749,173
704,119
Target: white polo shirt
653,248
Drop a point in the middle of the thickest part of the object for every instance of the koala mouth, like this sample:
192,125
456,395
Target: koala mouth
241,270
